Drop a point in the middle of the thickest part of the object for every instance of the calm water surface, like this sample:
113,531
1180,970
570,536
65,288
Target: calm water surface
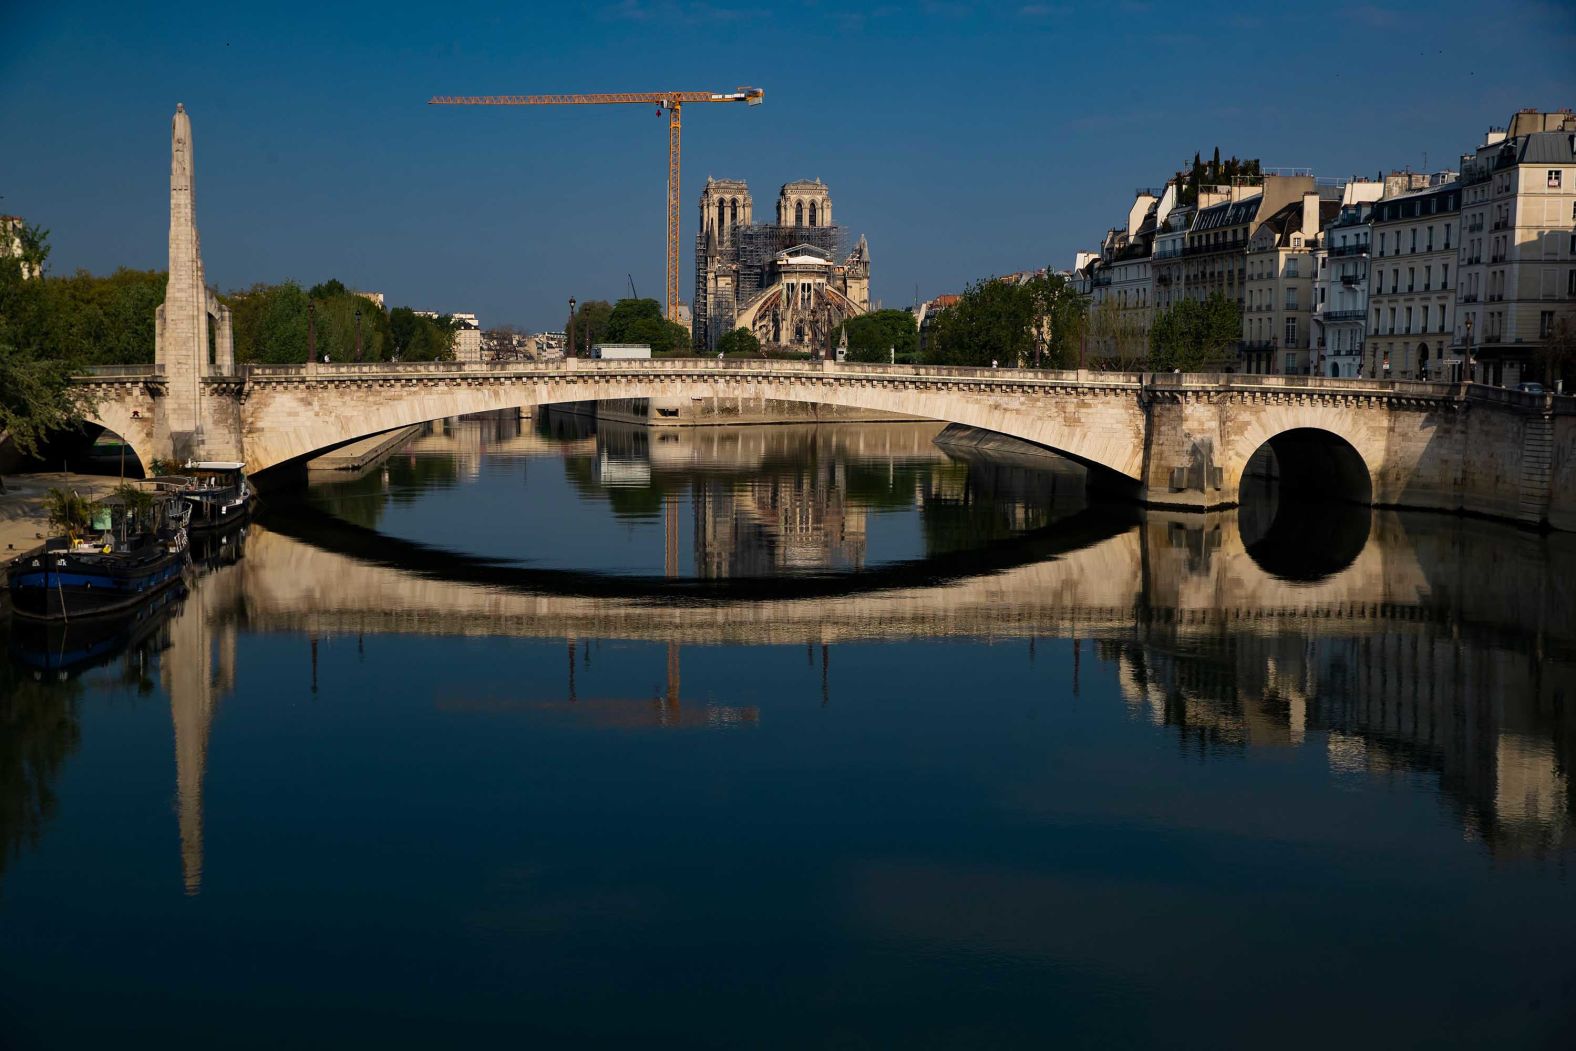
787,736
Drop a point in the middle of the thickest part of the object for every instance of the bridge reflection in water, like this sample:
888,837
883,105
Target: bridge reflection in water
1439,646
1420,656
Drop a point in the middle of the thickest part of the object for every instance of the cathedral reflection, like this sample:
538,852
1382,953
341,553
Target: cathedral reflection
1413,655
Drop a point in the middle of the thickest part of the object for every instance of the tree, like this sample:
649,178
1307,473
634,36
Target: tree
993,321
626,314
741,342
1193,336
1116,339
876,335
1059,321
590,325
68,512
329,289
35,375
1557,355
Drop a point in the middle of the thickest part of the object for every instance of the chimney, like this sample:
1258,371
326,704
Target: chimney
1310,216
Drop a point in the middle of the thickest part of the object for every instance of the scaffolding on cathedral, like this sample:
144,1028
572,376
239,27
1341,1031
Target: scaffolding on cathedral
760,242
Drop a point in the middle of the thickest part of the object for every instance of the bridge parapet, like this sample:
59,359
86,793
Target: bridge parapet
1183,440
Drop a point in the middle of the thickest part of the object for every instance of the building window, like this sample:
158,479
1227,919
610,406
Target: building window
1408,321
1395,280
1444,275
1291,266
734,211
1546,323
1414,238
1291,299
1428,278
1554,178
1411,279
1430,237
1291,332
1442,317
1392,320
798,213
1447,237
812,213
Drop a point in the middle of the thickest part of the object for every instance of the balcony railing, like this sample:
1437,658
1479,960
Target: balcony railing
1344,250
1345,315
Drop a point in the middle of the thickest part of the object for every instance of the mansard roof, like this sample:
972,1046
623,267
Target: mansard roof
1228,213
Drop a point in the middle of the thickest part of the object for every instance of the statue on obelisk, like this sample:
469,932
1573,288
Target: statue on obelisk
192,333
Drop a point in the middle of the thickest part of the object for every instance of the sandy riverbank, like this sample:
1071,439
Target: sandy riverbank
22,517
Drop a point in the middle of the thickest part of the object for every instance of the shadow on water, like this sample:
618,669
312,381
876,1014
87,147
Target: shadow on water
302,521
1303,509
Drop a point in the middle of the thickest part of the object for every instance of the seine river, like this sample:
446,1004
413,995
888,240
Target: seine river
788,736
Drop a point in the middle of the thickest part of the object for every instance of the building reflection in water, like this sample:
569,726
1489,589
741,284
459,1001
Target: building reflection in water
1440,646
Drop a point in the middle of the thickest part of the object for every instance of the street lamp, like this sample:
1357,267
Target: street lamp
1471,360
358,333
569,334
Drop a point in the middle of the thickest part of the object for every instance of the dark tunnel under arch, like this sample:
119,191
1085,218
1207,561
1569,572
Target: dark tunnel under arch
1305,504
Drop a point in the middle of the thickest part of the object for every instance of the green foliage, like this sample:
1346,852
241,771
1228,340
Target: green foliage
68,512
1191,336
873,336
271,326
1060,318
138,502
103,320
992,322
1214,172
269,323
641,321
741,342
333,288
627,317
590,326
413,337
34,372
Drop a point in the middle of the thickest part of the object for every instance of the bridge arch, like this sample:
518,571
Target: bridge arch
131,415
1318,449
285,419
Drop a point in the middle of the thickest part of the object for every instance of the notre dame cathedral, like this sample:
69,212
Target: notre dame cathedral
781,280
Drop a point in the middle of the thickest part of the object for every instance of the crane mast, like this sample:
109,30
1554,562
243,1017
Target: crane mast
671,101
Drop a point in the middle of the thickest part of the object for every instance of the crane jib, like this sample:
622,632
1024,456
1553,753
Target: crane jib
672,101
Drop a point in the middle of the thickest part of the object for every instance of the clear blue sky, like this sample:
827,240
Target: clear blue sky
964,139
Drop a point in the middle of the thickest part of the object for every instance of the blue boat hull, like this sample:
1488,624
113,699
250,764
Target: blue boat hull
54,585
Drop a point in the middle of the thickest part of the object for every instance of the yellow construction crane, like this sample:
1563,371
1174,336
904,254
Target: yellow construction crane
672,101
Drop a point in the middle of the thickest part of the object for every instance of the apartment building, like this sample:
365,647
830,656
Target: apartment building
1120,280
1215,248
1411,298
1165,260
1516,260
1277,313
1340,310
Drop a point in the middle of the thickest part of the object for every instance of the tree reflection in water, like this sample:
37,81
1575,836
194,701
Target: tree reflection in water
39,730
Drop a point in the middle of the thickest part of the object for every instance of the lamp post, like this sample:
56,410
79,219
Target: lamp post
1471,360
569,334
358,333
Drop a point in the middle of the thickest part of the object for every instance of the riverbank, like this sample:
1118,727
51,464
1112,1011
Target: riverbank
368,452
23,520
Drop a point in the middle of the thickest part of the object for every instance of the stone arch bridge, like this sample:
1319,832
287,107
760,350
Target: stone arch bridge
1172,440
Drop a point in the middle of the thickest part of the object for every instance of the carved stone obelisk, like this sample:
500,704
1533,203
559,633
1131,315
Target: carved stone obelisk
192,335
